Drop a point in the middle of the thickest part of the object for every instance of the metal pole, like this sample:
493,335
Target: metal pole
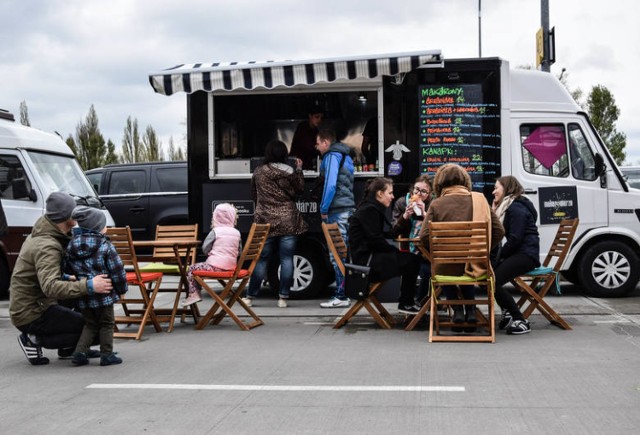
544,22
479,28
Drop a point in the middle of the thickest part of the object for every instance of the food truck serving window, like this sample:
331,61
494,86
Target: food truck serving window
243,124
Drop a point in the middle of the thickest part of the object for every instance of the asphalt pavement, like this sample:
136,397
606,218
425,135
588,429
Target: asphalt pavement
298,375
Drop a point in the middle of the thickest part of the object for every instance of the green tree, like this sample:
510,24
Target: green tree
88,144
24,114
604,113
112,155
152,146
132,148
175,153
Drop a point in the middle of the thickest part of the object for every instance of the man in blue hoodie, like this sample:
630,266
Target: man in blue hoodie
337,202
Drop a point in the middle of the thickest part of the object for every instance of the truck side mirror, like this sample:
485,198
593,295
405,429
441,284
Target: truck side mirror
601,169
20,190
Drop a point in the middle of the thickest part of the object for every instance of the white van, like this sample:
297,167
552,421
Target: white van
32,165
429,111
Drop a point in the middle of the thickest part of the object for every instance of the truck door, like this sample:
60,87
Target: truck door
555,163
125,197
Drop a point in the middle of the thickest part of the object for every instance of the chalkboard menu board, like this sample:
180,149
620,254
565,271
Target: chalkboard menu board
458,124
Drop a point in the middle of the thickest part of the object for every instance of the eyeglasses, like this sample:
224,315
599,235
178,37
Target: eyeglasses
421,191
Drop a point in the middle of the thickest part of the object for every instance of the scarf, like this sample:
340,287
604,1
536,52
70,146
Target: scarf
501,210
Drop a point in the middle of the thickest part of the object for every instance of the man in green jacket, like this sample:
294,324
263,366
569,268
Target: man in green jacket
37,283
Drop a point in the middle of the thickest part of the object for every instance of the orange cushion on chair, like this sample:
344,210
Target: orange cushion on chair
226,274
146,277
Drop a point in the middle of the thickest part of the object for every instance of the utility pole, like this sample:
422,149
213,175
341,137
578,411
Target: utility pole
545,65
479,28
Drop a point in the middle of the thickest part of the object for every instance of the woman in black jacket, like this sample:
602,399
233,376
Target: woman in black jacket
367,237
521,251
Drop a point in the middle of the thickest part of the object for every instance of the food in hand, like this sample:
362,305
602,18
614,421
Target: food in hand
414,200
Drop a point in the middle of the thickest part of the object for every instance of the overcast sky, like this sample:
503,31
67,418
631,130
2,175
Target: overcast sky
62,56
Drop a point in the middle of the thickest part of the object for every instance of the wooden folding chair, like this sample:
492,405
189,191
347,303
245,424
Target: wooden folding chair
535,285
338,249
426,305
230,294
148,284
164,260
460,243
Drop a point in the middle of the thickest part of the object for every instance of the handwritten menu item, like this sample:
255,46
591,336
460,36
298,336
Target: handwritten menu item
457,124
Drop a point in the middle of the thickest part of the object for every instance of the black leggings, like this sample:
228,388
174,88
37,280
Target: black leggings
511,267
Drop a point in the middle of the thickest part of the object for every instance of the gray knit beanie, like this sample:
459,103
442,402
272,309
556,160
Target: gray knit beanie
59,206
89,218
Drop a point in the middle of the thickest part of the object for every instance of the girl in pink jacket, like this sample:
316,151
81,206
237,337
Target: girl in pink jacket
221,245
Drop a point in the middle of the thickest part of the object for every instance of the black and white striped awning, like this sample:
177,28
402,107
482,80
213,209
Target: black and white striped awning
251,75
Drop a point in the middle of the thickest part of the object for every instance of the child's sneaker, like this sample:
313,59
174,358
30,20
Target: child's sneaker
110,359
193,298
79,359
519,327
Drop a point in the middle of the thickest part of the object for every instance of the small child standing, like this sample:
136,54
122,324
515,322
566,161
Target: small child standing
221,246
90,253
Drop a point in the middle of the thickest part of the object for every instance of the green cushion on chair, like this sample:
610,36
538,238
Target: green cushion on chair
160,267
448,278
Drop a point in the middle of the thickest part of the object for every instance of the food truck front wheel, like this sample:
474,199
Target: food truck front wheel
309,273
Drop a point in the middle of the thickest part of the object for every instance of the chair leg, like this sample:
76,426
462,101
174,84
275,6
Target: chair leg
425,307
349,314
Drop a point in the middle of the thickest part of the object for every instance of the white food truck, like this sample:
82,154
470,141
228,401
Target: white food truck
428,111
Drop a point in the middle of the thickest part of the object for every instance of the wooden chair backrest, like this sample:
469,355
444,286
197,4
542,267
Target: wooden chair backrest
253,247
561,243
459,243
175,232
121,239
336,244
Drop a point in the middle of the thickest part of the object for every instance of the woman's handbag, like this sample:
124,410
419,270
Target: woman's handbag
356,280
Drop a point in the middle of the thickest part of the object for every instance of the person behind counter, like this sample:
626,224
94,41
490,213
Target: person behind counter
304,139
274,187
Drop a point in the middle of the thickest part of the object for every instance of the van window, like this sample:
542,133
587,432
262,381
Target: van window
172,179
583,163
96,180
123,182
544,149
11,170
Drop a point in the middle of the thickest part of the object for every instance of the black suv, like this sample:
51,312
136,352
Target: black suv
143,195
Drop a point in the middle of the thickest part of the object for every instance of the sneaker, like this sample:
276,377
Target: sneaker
336,303
408,309
193,298
110,359
282,303
248,302
32,351
92,353
79,359
505,320
519,327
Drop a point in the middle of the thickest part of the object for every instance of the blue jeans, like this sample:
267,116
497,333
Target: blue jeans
342,219
287,247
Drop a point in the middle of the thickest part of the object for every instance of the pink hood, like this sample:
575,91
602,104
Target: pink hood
224,215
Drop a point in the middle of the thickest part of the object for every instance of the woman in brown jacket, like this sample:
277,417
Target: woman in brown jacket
274,187
456,202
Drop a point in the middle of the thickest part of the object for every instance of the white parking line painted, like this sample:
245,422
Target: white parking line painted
348,388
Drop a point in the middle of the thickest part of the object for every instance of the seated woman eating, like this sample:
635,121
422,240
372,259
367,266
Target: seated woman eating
368,242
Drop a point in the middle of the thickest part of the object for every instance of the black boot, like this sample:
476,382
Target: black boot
458,317
471,317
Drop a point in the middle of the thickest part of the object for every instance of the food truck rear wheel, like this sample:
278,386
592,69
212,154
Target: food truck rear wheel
308,273
609,269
